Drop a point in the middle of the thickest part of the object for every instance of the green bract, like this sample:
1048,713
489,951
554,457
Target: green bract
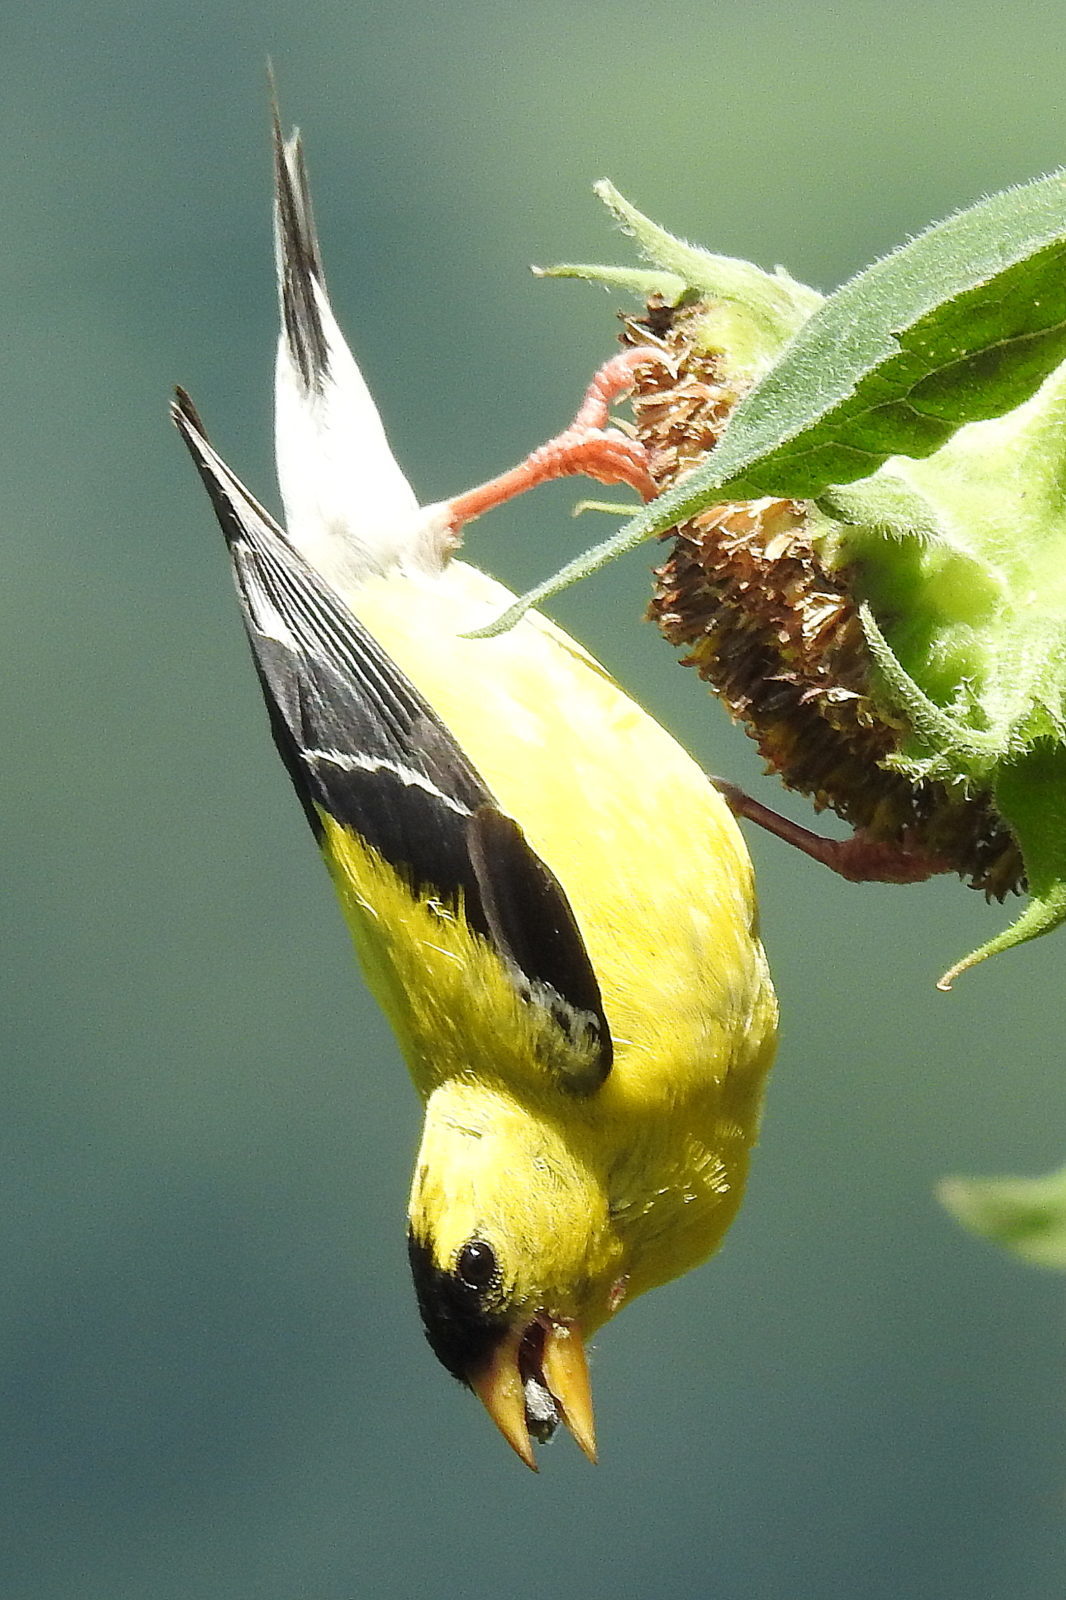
965,614
1027,1215
920,413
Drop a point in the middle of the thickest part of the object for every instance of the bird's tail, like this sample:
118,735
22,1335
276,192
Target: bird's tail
348,507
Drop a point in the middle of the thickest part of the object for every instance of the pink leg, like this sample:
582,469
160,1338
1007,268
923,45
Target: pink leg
859,859
588,447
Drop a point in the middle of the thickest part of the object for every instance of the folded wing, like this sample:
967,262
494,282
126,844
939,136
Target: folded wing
363,747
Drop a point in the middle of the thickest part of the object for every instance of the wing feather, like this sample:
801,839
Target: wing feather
363,746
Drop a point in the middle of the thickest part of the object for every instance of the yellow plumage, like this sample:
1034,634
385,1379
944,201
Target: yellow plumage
660,883
592,1093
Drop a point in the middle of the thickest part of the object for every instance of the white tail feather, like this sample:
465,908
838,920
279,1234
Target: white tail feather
348,507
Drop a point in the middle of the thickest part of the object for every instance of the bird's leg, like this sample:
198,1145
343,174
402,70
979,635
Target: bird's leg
859,859
588,447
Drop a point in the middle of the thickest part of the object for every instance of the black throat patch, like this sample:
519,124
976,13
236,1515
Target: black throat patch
461,1329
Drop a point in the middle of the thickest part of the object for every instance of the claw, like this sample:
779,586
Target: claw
587,448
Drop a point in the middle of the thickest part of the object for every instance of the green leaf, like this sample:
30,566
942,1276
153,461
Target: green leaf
641,281
1026,1215
583,566
1030,793
749,315
962,323
774,302
968,752
886,504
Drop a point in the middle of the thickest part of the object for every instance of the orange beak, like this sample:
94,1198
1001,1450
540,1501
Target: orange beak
539,1375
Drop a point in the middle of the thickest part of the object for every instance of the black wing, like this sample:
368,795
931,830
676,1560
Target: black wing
361,744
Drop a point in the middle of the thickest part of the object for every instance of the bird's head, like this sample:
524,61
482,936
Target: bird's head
515,1260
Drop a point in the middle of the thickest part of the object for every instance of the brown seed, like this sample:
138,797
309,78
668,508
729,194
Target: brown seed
778,636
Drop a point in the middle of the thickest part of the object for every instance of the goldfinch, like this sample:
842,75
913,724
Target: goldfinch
548,897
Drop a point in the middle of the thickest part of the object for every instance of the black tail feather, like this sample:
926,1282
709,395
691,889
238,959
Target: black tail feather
299,260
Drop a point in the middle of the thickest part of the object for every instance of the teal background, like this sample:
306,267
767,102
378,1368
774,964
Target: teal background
214,1386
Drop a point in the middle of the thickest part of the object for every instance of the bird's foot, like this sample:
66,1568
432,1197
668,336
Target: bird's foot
589,447
859,859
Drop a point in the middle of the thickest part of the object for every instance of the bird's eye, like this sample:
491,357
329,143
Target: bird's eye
476,1264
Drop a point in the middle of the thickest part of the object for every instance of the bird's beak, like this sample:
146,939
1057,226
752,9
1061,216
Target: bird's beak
537,1376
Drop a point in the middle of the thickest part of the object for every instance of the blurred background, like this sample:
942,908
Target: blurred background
214,1386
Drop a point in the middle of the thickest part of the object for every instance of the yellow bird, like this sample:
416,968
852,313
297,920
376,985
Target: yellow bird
549,898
